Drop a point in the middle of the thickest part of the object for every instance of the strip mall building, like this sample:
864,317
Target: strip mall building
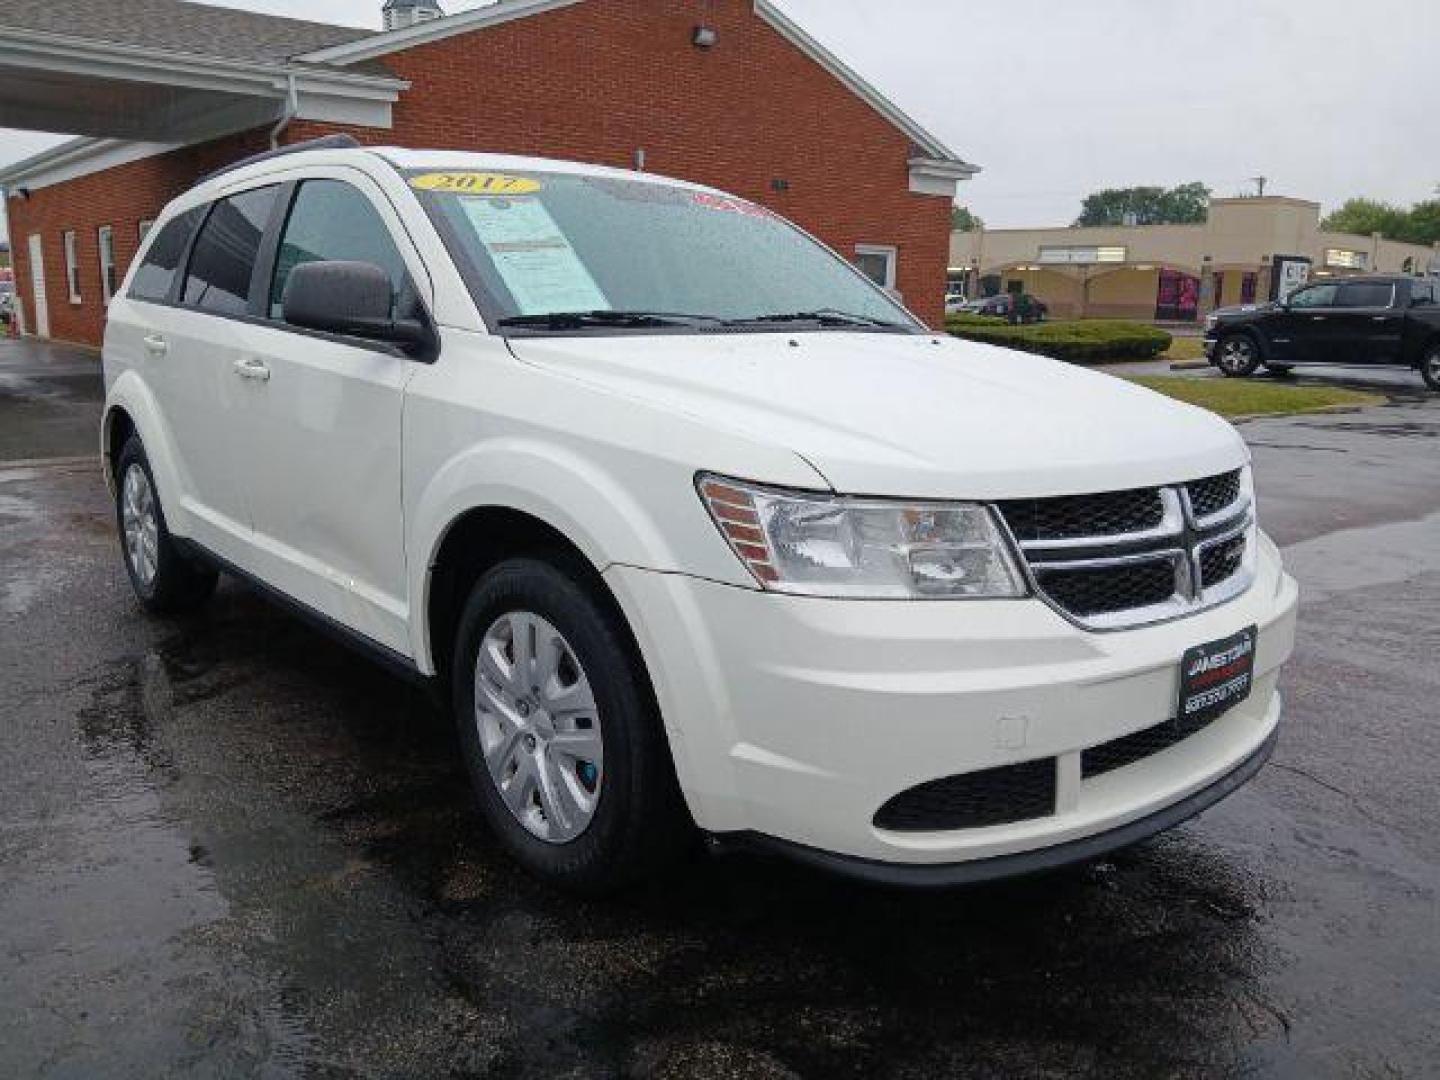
730,93
1175,273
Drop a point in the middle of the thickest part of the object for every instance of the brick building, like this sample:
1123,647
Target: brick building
725,92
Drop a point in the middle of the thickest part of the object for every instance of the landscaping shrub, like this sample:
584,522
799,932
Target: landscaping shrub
1094,341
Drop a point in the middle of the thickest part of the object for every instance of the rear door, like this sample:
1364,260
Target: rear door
322,415
1368,323
189,344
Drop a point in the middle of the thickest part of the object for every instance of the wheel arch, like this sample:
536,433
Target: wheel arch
130,409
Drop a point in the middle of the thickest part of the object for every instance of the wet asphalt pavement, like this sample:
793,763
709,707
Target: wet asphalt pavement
228,847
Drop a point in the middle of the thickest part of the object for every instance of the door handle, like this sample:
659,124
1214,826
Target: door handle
156,345
251,368
1318,318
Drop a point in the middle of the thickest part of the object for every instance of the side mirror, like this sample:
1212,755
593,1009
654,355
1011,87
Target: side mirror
350,298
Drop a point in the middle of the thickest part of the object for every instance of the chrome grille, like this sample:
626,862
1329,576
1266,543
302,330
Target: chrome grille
1111,514
1126,558
1214,494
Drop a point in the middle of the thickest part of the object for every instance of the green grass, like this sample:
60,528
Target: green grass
1185,350
1254,397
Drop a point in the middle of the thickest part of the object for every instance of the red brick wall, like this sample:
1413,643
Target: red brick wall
596,82
121,197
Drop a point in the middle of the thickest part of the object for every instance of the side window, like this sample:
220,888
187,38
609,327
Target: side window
1422,294
332,221
224,256
156,274
1316,296
1365,294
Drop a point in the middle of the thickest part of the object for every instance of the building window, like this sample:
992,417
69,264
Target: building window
106,236
146,224
1247,288
72,266
877,263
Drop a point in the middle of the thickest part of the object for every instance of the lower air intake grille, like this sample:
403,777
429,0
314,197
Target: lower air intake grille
971,800
1111,589
1107,757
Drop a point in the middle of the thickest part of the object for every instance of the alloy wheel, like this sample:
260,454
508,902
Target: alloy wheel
141,525
539,727
1237,355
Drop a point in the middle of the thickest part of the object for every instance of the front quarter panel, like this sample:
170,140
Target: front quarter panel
614,476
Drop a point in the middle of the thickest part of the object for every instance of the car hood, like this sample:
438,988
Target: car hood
913,416
1243,309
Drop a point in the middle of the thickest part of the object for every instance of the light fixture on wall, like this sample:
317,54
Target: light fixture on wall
705,37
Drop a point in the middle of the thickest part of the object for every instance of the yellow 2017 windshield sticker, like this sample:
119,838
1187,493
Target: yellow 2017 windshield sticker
475,183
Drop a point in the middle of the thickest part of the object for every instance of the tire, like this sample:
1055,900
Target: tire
1430,367
165,581
1237,355
586,798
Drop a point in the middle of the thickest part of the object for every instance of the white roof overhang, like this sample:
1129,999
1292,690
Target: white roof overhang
131,100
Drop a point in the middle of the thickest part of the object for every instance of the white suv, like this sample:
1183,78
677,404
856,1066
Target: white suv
692,524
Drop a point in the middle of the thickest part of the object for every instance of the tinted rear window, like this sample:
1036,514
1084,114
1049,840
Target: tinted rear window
157,273
223,261
1365,294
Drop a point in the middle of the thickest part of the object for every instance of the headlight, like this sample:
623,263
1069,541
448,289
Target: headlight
815,545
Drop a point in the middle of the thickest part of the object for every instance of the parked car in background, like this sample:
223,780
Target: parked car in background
622,467
1016,307
954,301
7,301
1363,321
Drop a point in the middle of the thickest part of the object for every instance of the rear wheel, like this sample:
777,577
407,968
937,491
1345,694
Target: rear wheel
165,580
1237,356
559,729
1430,367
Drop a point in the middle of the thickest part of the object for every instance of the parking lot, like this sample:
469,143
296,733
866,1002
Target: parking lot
228,846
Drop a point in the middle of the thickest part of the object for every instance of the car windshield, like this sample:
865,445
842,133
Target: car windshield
570,253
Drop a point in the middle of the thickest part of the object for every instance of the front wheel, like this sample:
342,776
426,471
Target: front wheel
1237,356
164,579
559,729
1430,367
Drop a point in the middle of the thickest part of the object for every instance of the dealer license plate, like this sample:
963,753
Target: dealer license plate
1214,678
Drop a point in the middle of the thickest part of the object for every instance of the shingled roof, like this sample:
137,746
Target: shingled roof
178,26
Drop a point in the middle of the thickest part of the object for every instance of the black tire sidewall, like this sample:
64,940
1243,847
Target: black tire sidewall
1430,367
608,853
178,581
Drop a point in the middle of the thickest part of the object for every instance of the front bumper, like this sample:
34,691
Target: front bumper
1208,345
796,719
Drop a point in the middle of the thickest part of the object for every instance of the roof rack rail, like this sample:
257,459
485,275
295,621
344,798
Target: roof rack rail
325,142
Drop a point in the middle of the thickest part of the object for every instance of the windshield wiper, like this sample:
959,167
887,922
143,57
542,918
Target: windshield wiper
825,317
627,320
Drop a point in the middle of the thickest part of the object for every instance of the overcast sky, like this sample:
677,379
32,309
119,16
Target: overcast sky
1056,98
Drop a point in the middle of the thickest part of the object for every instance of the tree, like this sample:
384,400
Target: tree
1365,216
1186,204
963,219
1418,225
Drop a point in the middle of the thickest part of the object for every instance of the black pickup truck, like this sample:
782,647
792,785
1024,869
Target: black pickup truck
1368,320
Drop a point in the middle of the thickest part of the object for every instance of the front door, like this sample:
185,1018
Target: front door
37,280
1305,330
321,419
